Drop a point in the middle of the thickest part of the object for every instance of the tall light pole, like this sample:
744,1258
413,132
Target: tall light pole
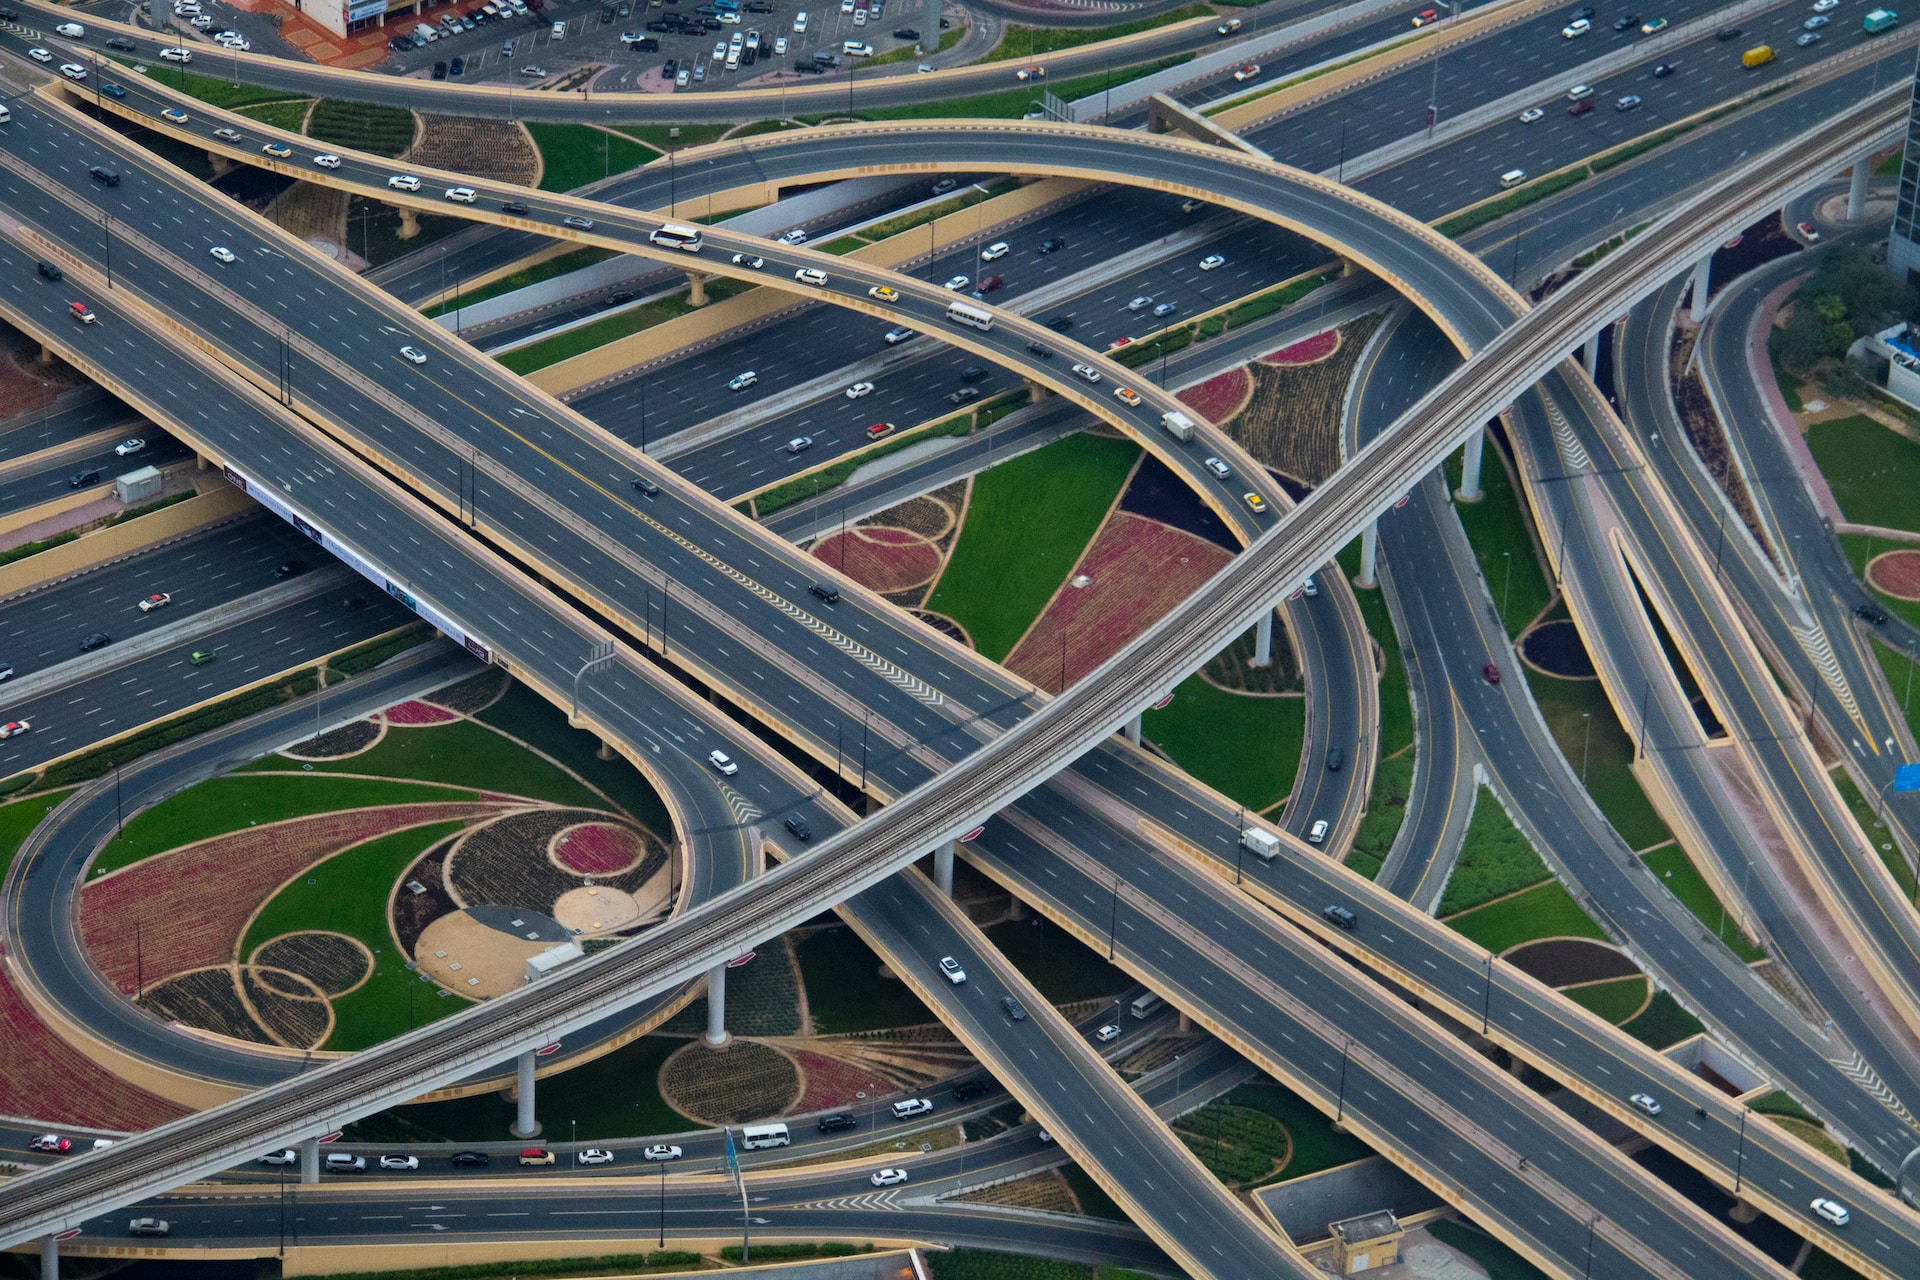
599,656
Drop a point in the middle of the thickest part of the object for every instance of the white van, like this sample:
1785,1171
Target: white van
856,49
341,1162
5,115
1512,178
756,1136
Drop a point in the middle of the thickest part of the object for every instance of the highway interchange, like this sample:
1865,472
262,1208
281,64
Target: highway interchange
902,769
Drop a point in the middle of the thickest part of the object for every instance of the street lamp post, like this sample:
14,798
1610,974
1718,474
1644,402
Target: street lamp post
1586,744
1506,587
1340,1104
1113,919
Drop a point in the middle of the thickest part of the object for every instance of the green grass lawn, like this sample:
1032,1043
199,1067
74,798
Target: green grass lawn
1664,1023
1315,1145
1027,522
1396,705
18,819
281,115
220,805
1498,1261
348,894
541,725
1016,102
572,155
365,126
564,346
1547,911
1094,1200
1788,384
1566,704
1616,1001
1386,811
210,89
466,754
1028,43
1495,860
1064,968
667,137
845,991
1244,747
1497,527
985,1264
617,1095
1867,815
534,274
1676,871
1874,473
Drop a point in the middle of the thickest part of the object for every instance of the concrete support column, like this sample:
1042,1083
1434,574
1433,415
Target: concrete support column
1184,1025
943,868
524,1125
1470,468
1742,1212
1263,641
1369,556
717,1005
1702,270
696,289
1590,356
1133,728
409,223
46,354
310,1161
219,162
1857,188
604,752
1016,909
201,463
49,1258
1037,391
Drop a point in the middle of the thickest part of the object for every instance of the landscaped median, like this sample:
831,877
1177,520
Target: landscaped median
833,474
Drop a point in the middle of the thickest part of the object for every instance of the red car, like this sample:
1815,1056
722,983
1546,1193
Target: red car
51,1142
81,312
1425,16
879,429
1809,232
1491,672
1581,108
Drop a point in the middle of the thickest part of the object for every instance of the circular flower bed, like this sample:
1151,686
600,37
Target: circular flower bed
597,849
1307,350
881,557
1897,573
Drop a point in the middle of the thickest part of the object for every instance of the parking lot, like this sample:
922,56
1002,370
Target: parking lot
552,45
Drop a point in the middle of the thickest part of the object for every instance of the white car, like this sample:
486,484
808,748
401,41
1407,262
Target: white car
1246,73
594,1155
779,46
1645,1102
158,600
1140,303
462,195
952,970
722,763
908,1108
796,236
407,1163
897,336
1220,470
1088,372
327,161
741,381
238,44
1532,114
404,182
888,1177
414,354
742,260
958,283
995,251
859,389
1108,1033
811,275
71,30
1832,1210
174,54
73,71
661,1151
41,55
278,150
799,444
128,447
14,728
1212,261
288,1156
1816,22
1578,27
1825,6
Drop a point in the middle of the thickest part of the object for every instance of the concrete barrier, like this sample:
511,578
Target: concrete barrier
759,305
90,550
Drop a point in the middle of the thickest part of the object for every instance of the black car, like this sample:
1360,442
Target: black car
838,1122
354,604
439,71
288,569
1727,33
1060,324
9,15
81,479
514,206
668,67
1051,243
809,69
1013,1008
457,66
123,44
51,271
615,299
906,33
1584,11
1045,353
1625,21
113,90
972,373
968,1090
1664,69
1871,613
798,825
1336,759
470,1159
97,640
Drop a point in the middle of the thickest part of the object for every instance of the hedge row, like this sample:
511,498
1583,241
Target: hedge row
608,1264
91,764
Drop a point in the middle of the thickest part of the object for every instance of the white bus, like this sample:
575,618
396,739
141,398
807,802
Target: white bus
756,1136
671,236
1144,1005
961,313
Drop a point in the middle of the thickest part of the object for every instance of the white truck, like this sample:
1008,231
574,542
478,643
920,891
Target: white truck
1178,425
1265,845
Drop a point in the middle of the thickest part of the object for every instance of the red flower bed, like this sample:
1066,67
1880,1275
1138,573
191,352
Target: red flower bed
1897,573
1140,569
597,848
1219,397
418,713
832,1082
184,909
880,557
1306,351
47,1079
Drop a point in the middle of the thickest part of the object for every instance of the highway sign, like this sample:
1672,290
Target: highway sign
68,1234
1907,778
331,1137
737,961
969,837
546,1050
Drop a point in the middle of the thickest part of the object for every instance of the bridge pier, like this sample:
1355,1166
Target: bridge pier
219,162
1702,271
696,289
604,751
1590,356
1742,1212
524,1124
1369,556
1470,468
943,868
1857,188
1036,390
717,1006
46,354
49,1258
1133,728
409,223
310,1161
1263,641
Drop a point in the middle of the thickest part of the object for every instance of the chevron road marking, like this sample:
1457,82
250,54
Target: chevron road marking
1813,638
744,810
1864,1076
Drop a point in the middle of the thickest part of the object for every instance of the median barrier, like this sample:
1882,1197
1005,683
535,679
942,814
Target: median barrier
90,550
